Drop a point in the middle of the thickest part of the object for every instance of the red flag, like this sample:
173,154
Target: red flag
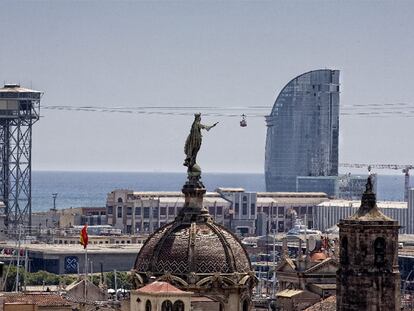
83,239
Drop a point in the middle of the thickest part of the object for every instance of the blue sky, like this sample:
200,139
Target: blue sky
209,53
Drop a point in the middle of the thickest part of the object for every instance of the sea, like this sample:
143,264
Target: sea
89,189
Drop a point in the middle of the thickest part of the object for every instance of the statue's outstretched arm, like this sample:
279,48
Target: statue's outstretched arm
208,127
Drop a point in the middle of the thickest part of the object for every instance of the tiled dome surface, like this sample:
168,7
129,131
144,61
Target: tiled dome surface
202,248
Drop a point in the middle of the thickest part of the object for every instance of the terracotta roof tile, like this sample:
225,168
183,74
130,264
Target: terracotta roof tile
160,287
36,299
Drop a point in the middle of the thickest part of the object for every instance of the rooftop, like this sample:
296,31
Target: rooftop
161,287
39,299
328,304
16,88
77,249
357,204
289,293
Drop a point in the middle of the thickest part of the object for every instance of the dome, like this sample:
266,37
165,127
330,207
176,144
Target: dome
182,248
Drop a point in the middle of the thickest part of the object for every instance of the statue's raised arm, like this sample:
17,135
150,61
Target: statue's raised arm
193,142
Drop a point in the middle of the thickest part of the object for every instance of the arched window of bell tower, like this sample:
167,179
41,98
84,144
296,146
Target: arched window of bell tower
167,305
379,251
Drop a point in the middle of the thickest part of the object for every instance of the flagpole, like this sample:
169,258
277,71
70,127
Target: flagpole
86,270
84,242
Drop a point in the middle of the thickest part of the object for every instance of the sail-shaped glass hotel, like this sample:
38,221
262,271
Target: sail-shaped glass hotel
302,130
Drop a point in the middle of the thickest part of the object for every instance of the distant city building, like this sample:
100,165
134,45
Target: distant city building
235,208
69,217
328,214
245,213
278,209
368,276
302,130
145,212
68,256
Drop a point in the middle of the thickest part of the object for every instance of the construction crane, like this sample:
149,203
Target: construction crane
405,169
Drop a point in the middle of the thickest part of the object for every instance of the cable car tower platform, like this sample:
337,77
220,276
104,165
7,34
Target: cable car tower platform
19,110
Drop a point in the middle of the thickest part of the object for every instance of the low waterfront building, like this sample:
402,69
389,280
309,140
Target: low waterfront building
101,239
328,213
260,212
68,217
245,213
70,258
145,212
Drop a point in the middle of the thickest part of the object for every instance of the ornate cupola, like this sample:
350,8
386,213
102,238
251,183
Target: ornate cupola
193,252
368,277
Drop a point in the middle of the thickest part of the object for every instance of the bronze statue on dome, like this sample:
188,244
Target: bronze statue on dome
193,144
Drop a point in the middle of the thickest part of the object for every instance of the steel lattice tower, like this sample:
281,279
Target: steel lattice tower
19,110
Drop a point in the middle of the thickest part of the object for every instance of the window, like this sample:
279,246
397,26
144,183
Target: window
146,212
244,206
178,306
211,210
379,250
281,211
171,210
119,200
219,210
167,305
266,210
244,199
252,209
155,212
119,211
148,306
137,211
110,210
236,208
129,211
163,211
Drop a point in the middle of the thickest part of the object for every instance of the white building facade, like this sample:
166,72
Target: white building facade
144,212
327,214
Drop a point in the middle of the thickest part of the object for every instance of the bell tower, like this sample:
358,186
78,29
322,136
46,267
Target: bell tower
368,277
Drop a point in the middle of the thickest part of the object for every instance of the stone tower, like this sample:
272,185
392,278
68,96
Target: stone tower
368,277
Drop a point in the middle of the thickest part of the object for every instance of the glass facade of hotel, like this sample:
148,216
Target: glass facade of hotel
302,130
